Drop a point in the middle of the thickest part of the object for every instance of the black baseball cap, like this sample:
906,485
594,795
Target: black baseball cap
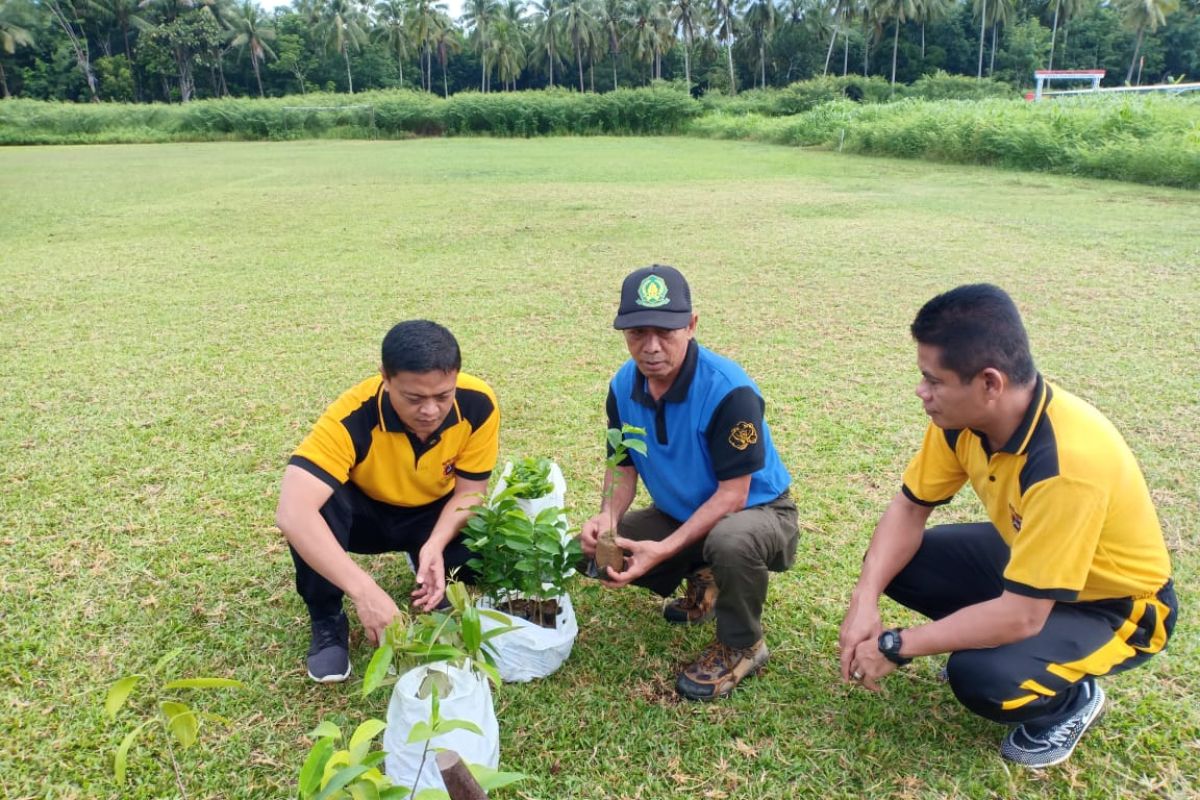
656,296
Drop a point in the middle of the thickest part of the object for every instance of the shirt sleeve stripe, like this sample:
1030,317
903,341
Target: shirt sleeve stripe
316,471
473,476
1025,590
927,503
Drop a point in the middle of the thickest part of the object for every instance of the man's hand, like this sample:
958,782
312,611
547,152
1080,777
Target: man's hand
870,664
376,610
591,532
431,579
642,556
860,625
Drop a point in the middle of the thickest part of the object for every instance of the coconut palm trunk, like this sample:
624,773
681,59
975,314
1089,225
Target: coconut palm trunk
982,37
732,82
992,62
349,77
1136,48
1053,33
257,75
895,47
829,52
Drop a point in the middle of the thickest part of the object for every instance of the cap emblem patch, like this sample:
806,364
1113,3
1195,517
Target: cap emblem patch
652,292
743,435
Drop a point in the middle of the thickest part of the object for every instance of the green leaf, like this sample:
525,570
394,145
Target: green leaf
204,683
344,777
118,694
432,794
490,779
325,730
377,669
446,725
471,632
181,722
121,757
627,429
395,793
636,445
364,790
496,616
314,765
421,731
360,742
373,758
167,658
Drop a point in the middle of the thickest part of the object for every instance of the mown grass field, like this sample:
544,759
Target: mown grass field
174,317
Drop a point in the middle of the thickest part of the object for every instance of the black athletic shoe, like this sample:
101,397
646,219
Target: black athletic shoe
1047,745
329,653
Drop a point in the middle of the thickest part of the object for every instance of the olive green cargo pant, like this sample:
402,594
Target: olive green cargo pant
741,549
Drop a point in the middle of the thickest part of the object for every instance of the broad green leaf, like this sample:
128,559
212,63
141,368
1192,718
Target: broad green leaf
360,742
181,722
490,779
167,658
494,632
363,790
119,693
204,683
432,794
213,717
343,778
496,616
395,793
614,439
636,445
324,730
314,765
372,759
471,632
446,725
632,429
421,731
121,757
377,668
337,762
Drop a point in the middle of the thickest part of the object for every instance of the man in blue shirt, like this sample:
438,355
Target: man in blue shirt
721,517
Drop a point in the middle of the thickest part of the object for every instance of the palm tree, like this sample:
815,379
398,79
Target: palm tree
445,42
931,11
686,15
613,16
249,25
841,14
646,33
12,36
998,14
342,28
981,10
759,16
391,17
897,12
727,24
547,30
425,23
479,16
1143,15
506,50
580,27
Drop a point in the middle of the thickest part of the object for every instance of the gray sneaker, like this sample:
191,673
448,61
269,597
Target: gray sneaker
329,653
1047,745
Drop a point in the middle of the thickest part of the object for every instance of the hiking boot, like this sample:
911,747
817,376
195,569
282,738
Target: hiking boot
329,653
699,602
1046,745
720,668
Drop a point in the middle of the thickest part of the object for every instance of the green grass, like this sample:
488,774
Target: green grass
176,316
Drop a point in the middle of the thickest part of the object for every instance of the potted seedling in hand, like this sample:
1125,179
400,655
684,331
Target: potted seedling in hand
608,554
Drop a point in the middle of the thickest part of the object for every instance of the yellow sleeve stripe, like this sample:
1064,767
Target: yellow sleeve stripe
1017,702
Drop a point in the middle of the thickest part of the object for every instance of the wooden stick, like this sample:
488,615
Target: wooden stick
460,783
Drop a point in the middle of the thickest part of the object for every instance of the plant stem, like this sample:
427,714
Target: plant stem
416,780
175,766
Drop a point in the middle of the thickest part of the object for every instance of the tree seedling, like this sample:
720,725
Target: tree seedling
620,441
180,722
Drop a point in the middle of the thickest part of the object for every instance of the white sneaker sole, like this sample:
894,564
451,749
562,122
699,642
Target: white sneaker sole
332,678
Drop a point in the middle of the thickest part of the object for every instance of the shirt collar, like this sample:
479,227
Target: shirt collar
679,388
1019,441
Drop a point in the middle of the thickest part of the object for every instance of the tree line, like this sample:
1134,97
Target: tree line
177,50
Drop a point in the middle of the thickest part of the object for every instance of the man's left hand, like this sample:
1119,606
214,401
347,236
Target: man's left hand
868,665
431,579
642,556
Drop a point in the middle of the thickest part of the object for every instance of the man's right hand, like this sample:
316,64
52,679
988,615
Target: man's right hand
861,623
591,532
376,610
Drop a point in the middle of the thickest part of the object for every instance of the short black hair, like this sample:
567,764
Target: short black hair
418,345
976,326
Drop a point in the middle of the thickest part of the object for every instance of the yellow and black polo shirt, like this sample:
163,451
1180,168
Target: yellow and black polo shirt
1066,495
361,439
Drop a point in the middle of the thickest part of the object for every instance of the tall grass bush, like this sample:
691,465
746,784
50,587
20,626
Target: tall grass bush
1145,139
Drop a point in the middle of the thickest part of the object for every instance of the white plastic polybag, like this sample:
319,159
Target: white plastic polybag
556,498
469,698
531,651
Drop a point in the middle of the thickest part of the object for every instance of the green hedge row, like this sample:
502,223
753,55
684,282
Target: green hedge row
1148,139
387,114
806,95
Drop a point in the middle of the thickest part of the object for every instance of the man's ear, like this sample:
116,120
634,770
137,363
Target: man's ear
994,381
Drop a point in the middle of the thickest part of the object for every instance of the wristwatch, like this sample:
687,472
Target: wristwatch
890,644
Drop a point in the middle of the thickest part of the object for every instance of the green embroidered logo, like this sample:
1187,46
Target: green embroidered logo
652,292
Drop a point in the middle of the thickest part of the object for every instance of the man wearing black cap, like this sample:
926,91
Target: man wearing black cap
721,517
